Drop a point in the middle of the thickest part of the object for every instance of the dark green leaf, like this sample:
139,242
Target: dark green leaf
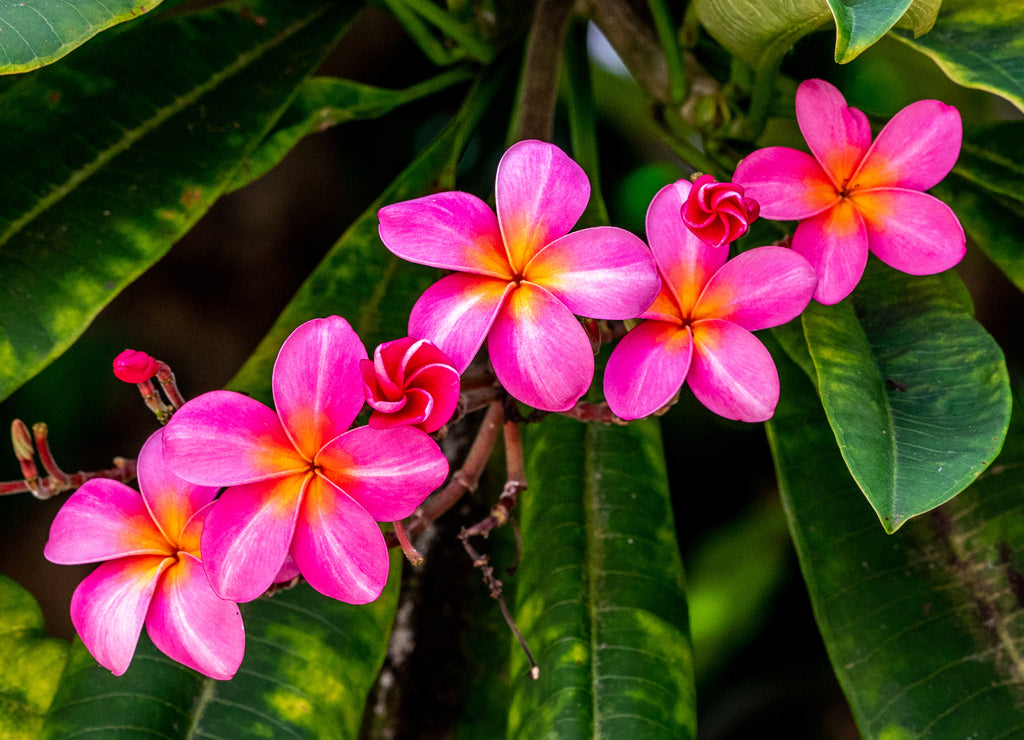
32,663
113,153
992,157
924,627
861,23
599,594
916,391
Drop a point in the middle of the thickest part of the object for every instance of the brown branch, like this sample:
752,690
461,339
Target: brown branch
636,43
538,88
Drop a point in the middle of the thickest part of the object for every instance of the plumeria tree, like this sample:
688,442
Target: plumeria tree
603,289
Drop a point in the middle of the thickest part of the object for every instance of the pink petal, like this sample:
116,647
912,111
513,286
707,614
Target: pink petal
788,184
380,392
733,374
317,383
915,150
540,353
759,288
247,535
338,547
388,472
837,134
189,623
110,605
223,438
647,368
456,313
836,245
601,273
442,382
453,231
103,520
664,308
911,231
414,408
685,261
540,195
171,500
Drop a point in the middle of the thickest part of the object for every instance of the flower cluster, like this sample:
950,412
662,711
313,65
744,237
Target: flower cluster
303,493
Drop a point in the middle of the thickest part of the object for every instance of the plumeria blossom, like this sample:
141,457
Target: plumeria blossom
699,328
132,366
852,196
300,483
520,275
718,212
152,572
410,381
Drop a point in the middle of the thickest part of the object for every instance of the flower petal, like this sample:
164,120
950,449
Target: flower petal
171,500
759,288
911,231
317,384
453,231
685,261
189,623
540,353
223,438
836,245
388,472
247,535
102,520
647,368
540,194
837,134
915,150
601,273
788,184
733,374
456,313
338,547
108,607
443,384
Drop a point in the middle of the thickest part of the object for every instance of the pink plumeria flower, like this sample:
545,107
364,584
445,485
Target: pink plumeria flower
852,196
151,574
410,381
699,328
718,212
520,275
299,481
132,366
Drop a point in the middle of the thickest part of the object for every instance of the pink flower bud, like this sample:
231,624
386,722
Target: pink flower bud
133,366
410,382
717,212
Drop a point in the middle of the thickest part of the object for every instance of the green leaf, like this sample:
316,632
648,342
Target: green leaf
992,157
924,628
309,664
861,23
36,33
978,44
599,593
32,663
112,154
916,391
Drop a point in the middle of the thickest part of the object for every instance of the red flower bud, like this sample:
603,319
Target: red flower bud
717,212
133,366
410,382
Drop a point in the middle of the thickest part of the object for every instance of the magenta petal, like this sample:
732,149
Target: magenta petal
388,472
456,312
338,546
453,231
223,438
910,231
602,273
647,368
540,194
414,409
443,384
189,623
540,353
247,534
837,134
759,288
788,184
102,520
317,383
733,374
836,245
109,607
171,500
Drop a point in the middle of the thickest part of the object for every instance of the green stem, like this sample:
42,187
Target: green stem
678,83
446,23
538,87
582,117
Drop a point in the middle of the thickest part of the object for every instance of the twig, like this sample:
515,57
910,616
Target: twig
538,87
